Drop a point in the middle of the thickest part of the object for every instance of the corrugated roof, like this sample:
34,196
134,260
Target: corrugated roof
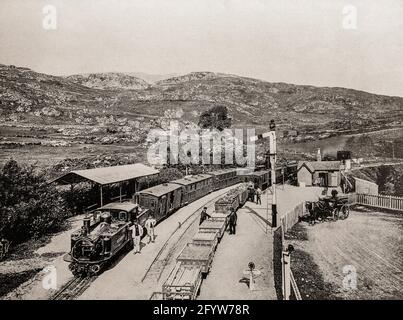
259,173
107,175
320,165
125,206
192,179
247,172
161,189
222,171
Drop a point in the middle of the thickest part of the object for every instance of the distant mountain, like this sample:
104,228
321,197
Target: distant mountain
151,78
35,98
110,80
31,97
193,76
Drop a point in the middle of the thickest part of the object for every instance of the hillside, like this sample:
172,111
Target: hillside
110,80
114,108
250,102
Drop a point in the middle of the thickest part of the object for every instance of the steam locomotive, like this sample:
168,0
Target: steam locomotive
104,234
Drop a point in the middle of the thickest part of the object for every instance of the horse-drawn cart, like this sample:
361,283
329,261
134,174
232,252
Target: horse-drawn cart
328,208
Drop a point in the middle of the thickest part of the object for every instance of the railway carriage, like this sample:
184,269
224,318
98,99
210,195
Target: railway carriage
162,199
224,178
258,178
195,186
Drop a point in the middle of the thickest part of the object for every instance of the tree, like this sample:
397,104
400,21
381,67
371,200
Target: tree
215,118
399,186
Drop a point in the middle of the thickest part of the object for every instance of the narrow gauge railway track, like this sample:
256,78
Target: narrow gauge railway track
73,289
156,269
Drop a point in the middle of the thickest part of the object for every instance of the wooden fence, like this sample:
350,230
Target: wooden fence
289,219
377,201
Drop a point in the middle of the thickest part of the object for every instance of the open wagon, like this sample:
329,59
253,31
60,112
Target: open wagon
219,216
198,256
227,202
234,198
183,283
206,239
213,227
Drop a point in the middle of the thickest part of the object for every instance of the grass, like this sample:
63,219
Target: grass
306,272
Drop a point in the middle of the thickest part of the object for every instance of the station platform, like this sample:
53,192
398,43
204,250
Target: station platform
253,242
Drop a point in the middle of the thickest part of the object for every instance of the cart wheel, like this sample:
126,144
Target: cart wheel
335,214
345,212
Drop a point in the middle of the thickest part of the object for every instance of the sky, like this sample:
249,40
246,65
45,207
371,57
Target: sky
315,42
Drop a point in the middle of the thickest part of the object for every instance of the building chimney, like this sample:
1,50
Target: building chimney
319,156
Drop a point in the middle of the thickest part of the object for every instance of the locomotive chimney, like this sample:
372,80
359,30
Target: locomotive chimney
86,223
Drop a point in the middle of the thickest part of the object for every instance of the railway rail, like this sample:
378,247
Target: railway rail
74,288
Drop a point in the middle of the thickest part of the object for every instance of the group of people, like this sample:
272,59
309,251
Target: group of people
254,191
138,231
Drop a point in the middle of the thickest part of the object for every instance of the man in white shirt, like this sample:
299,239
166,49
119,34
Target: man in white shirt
258,196
149,225
137,233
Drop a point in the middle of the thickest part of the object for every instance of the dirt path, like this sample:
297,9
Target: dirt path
368,244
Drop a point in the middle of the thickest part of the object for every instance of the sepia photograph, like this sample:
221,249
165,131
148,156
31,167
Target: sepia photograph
208,150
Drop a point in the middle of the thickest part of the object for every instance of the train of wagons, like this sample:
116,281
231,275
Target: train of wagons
105,231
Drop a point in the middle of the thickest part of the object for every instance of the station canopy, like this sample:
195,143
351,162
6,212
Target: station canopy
107,175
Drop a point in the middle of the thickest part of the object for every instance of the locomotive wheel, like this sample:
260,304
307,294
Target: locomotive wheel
94,269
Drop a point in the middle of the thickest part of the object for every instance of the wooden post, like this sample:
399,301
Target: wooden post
286,275
102,200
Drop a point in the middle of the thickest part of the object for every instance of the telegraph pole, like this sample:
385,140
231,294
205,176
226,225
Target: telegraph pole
272,154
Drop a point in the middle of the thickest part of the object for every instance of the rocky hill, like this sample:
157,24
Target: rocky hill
110,80
111,98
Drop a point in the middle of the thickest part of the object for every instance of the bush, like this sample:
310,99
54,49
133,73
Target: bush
29,206
215,118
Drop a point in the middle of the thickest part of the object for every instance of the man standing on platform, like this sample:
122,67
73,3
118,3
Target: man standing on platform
149,225
137,233
258,196
251,193
232,221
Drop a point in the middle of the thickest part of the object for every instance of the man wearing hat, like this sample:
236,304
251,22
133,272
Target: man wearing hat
204,215
232,221
149,225
137,233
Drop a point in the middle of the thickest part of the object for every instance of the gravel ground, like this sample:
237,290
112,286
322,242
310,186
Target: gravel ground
226,279
21,275
369,242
